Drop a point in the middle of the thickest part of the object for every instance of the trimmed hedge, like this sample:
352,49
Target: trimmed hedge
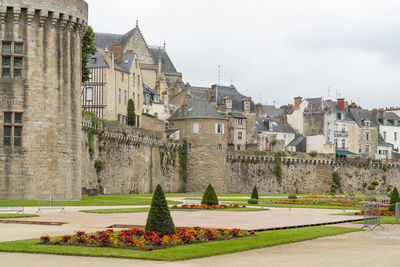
394,198
210,197
255,193
252,201
159,218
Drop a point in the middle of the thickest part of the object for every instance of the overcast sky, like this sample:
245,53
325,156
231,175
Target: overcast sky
279,49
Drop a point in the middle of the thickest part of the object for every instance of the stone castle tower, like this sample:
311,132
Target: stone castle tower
40,111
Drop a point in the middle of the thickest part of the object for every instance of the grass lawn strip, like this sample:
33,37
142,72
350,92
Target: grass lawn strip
13,216
135,210
384,219
261,240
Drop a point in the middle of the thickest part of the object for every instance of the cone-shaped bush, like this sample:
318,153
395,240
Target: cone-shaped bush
210,197
159,218
254,195
394,198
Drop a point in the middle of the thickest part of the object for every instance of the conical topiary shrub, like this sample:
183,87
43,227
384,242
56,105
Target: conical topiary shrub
394,198
254,195
210,197
159,218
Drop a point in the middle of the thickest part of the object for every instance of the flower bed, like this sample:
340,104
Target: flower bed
208,207
139,239
382,213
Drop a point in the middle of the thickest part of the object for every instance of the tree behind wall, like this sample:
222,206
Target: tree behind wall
131,113
159,218
88,50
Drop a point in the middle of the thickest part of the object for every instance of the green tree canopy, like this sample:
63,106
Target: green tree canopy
210,197
159,218
88,50
131,113
394,198
254,195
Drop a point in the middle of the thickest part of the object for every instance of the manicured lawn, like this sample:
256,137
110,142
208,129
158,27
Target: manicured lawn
13,216
260,240
384,219
100,200
134,210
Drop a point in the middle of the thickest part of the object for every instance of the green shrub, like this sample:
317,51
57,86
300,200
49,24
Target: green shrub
371,187
313,154
255,193
389,188
159,218
252,201
131,113
365,184
375,183
210,197
394,198
292,196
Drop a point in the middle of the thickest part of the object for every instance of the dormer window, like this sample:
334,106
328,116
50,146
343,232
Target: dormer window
93,60
228,103
247,106
340,116
367,123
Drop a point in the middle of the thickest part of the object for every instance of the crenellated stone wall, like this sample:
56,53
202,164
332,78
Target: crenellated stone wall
304,174
119,159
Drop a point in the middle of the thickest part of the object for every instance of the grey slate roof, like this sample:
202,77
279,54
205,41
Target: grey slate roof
106,39
273,125
389,119
316,105
167,65
237,115
382,142
99,60
272,111
232,92
197,109
336,109
360,115
296,141
196,92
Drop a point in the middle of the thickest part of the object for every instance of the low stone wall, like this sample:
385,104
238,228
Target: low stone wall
152,123
119,159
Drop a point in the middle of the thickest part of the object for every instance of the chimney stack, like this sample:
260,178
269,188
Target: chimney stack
297,102
341,103
259,110
117,51
184,109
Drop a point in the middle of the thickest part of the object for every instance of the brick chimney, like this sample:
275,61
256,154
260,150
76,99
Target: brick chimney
259,110
117,51
341,103
297,102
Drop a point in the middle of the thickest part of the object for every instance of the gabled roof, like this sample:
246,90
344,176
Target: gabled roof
273,125
197,109
167,65
316,105
104,40
336,109
196,92
236,97
362,115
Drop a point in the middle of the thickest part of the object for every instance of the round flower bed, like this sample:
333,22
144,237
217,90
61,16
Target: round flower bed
208,207
139,239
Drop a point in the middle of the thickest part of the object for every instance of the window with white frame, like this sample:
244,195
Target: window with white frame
228,103
246,105
219,128
196,128
240,135
343,128
336,143
119,96
367,136
343,143
89,94
125,95
367,149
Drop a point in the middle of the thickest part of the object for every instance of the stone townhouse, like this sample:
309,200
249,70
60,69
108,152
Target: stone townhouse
241,113
204,130
314,119
273,134
368,132
115,78
389,126
346,131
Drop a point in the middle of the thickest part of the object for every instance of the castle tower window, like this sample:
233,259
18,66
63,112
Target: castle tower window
12,129
11,59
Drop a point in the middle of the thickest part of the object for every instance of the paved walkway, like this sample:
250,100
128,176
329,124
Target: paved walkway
250,220
378,248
